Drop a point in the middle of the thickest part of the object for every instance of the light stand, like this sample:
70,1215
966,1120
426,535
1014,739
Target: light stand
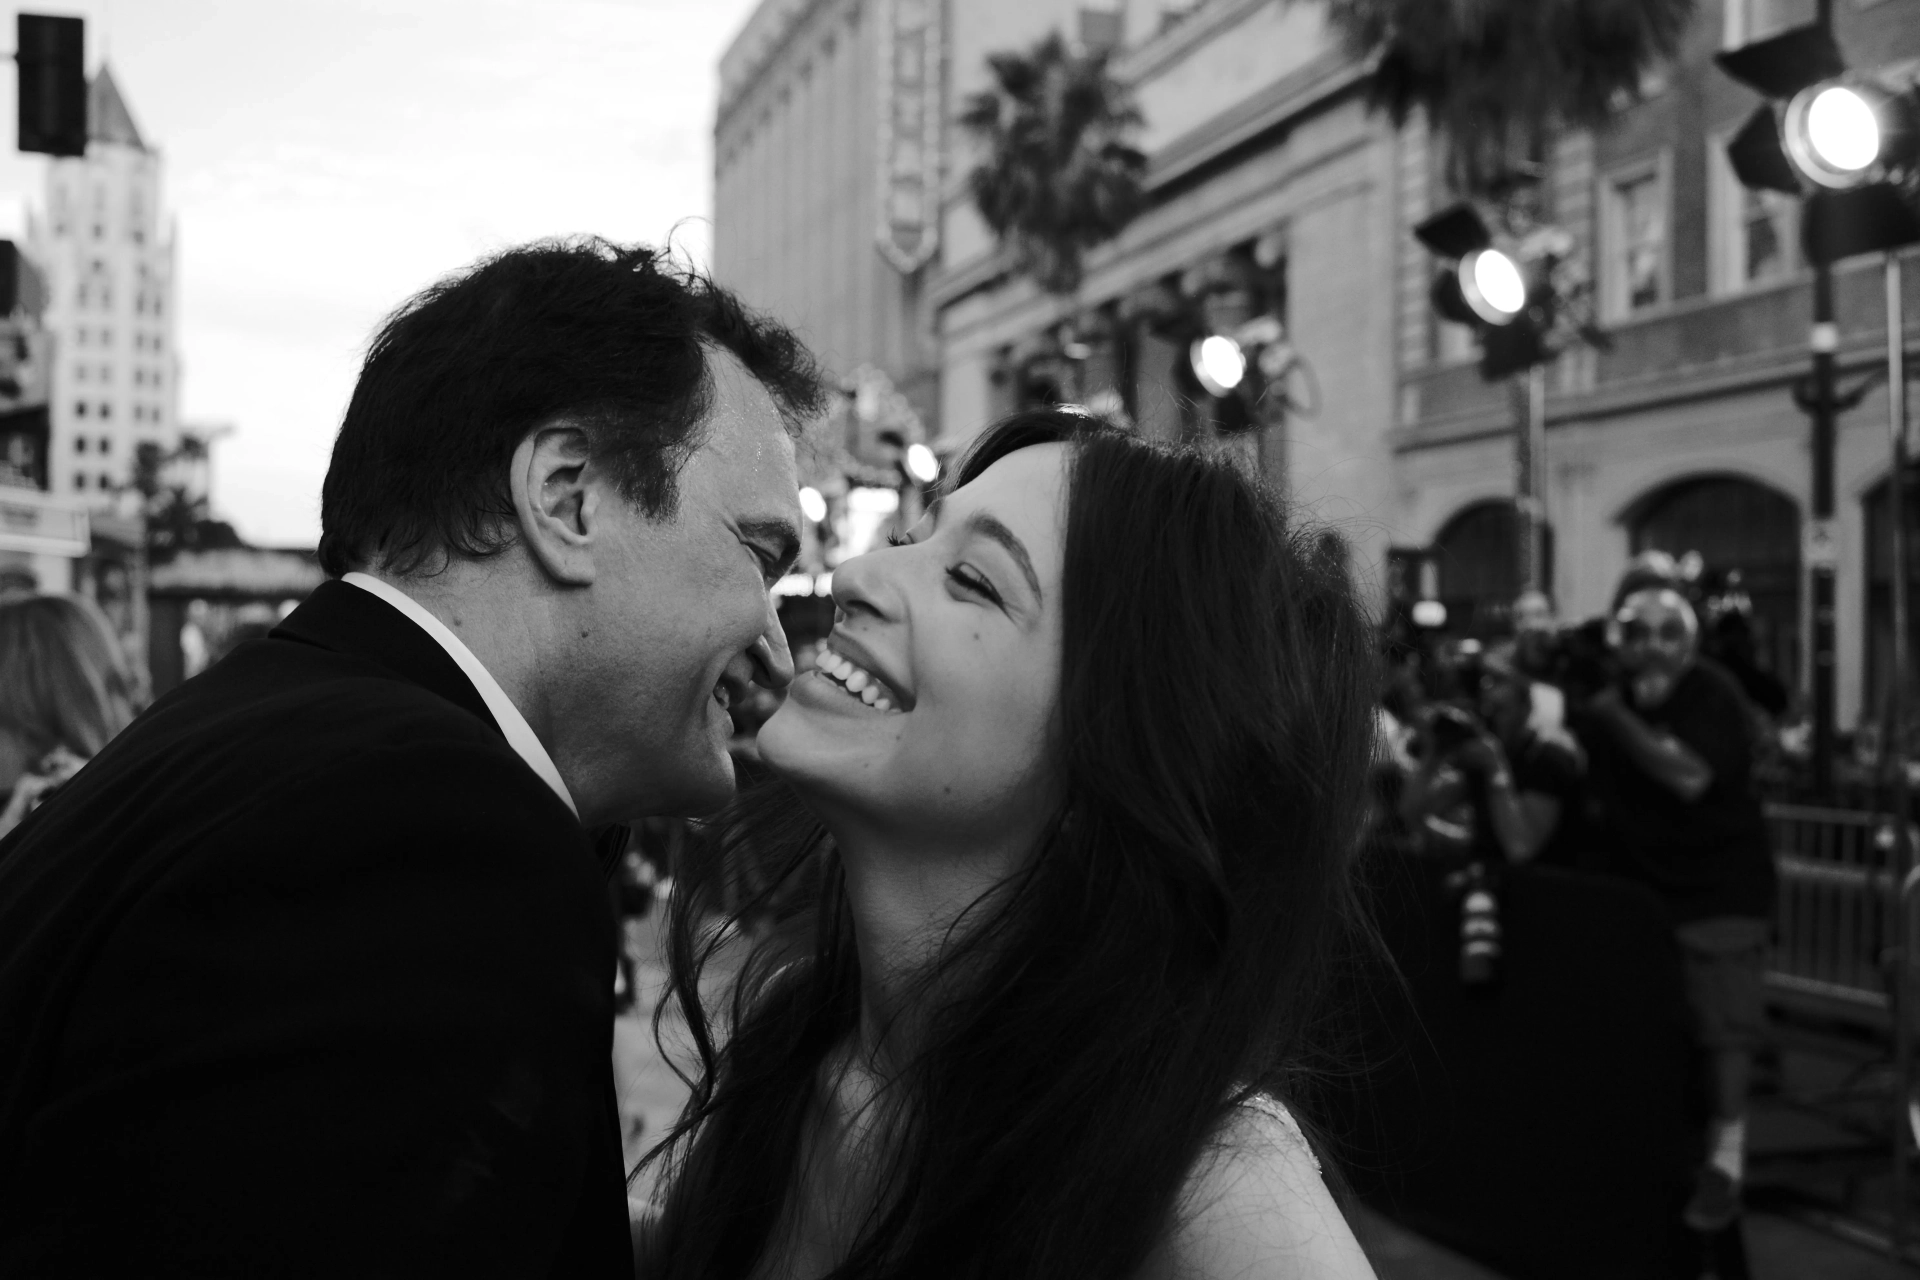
1896,756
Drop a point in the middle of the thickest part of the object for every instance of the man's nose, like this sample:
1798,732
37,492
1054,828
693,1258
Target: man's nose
772,659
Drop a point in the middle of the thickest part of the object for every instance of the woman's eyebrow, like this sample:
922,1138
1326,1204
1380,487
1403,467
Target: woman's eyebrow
989,526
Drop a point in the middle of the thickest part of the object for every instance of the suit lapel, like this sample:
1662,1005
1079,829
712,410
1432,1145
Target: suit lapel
343,618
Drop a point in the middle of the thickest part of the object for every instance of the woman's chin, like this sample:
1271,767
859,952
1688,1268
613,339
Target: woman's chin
815,754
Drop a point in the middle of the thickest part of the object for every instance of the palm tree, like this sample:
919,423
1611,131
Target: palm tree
1497,77
1058,175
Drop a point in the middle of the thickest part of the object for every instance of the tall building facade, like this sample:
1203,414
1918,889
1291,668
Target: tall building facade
802,169
109,261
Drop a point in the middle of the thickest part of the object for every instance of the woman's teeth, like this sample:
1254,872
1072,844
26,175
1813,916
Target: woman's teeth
857,681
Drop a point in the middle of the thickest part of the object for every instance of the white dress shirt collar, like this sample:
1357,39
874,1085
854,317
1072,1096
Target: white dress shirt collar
520,735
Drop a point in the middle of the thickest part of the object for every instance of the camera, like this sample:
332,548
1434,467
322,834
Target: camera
1449,728
1578,659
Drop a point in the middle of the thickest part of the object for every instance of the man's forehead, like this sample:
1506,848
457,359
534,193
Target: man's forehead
742,419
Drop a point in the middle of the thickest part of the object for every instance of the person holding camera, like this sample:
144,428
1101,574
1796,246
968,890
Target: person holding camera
1490,784
1673,749
1489,790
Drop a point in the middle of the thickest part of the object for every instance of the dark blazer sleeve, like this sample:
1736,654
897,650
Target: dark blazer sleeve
363,1030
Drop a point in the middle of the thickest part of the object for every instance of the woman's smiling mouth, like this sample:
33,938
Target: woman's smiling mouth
856,681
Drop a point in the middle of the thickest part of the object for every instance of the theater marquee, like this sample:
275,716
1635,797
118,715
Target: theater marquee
911,57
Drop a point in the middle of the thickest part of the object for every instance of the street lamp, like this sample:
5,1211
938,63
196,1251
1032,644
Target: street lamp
813,504
1221,361
1218,362
1835,132
1492,286
921,463
1504,291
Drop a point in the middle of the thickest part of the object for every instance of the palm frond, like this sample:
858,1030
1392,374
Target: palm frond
1498,75
1057,175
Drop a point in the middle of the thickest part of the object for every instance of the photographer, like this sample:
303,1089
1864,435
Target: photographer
1672,749
1488,791
1490,784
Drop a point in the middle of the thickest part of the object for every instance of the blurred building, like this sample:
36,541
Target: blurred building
1274,190
841,206
109,262
1270,191
1685,435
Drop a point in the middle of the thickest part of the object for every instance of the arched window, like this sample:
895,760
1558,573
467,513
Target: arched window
1477,558
1736,524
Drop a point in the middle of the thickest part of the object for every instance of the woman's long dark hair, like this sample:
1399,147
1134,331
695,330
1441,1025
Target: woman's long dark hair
1160,958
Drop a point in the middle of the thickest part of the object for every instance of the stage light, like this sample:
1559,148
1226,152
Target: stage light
1493,285
1834,133
1219,364
922,465
1430,614
812,505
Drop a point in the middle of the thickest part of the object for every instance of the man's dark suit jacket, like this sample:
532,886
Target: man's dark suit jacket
308,973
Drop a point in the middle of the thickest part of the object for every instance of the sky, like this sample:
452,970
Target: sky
324,159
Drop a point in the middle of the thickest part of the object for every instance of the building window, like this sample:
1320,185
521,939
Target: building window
106,411
106,444
79,373
1635,239
105,482
79,481
79,408
79,444
1753,236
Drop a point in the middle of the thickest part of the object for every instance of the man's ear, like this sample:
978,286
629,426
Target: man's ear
556,508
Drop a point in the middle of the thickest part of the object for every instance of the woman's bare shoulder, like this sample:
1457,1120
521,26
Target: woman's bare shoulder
1256,1205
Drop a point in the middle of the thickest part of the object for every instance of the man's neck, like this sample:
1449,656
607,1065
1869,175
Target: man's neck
503,639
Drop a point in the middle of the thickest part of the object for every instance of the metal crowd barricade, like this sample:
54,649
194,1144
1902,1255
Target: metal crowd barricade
1836,920
1842,946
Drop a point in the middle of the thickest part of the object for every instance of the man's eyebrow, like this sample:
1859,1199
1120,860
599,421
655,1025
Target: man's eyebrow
989,526
780,536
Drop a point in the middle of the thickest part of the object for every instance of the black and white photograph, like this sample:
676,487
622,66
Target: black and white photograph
960,640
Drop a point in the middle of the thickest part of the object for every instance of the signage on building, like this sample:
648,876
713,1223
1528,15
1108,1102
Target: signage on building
42,523
911,56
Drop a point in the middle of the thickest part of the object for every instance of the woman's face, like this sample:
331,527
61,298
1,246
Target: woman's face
927,713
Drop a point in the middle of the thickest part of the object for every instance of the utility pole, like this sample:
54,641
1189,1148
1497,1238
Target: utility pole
1529,398
1822,544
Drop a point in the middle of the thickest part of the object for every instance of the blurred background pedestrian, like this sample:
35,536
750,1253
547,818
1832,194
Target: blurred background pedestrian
65,690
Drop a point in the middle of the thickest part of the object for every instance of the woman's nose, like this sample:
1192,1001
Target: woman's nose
861,585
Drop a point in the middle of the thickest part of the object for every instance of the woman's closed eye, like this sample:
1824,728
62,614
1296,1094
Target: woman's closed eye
972,581
963,576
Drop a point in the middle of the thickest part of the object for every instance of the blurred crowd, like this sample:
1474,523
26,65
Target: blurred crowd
1631,745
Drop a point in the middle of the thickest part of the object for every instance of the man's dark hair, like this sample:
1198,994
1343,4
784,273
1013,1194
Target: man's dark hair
611,338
